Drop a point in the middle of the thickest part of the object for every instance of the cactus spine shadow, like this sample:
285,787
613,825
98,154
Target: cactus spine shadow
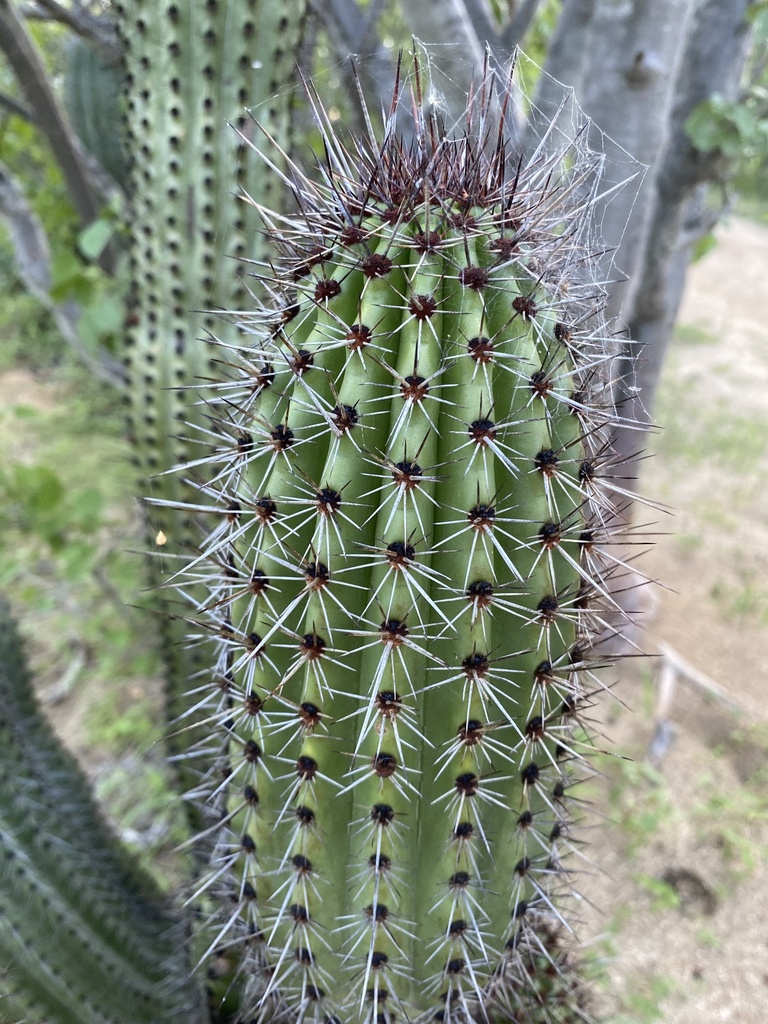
411,499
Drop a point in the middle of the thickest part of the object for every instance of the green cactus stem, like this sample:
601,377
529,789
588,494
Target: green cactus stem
189,69
85,938
410,491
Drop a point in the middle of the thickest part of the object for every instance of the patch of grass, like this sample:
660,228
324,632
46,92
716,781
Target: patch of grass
693,334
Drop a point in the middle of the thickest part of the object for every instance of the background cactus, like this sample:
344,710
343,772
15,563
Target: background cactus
410,493
189,68
85,937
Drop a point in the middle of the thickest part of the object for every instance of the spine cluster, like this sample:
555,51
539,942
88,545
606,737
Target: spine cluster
407,475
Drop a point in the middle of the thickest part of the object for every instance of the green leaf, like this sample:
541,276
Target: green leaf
93,240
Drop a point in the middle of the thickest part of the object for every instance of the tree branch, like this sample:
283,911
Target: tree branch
33,79
521,21
102,32
33,265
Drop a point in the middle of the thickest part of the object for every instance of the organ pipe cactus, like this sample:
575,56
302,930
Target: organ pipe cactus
412,501
188,69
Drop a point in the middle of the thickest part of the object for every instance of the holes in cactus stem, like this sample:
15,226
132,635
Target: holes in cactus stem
317,575
299,913
359,336
262,377
307,259
546,461
377,912
314,994
376,265
327,501
550,534
306,767
252,751
504,246
309,715
387,703
471,732
467,784
464,831
400,555
587,471
244,444
535,728
427,241
326,289
563,334
248,892
414,388
281,437
301,865
475,665
301,361
407,475
547,608
522,867
520,910
312,646
481,349
541,383
543,674
305,816
265,508
382,814
463,221
378,960
344,417
482,431
259,583
587,540
247,844
379,863
252,705
304,956
482,517
525,821
458,928
457,966
234,508
460,880
422,307
530,774
384,765
525,307
393,632
480,594
474,277
352,235
252,643
250,796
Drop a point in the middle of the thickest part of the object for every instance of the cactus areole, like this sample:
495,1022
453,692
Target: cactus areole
410,491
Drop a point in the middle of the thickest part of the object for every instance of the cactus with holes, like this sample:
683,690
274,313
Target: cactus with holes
190,68
411,497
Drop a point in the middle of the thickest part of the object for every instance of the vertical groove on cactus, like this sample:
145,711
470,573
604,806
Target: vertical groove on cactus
85,933
189,69
409,572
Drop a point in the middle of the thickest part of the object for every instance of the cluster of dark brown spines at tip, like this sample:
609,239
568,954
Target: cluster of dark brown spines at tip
411,607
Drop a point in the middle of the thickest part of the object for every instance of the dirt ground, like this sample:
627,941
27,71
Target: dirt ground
681,847
687,879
